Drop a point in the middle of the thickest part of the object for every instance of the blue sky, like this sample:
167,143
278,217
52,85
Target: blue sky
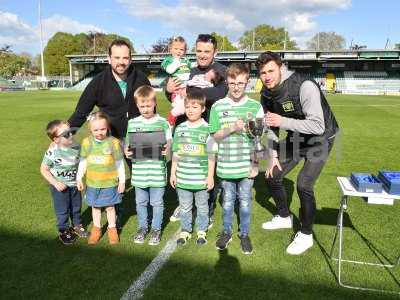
365,22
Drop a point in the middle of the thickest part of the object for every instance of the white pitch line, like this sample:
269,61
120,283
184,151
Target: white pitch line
136,290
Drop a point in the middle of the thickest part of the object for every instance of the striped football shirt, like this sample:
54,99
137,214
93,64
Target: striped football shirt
149,173
235,149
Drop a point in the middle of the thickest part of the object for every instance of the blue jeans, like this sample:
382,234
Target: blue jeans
155,196
67,204
186,207
233,189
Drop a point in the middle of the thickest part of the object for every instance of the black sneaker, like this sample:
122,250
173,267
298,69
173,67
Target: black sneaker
245,244
184,236
224,238
80,231
155,237
67,237
140,236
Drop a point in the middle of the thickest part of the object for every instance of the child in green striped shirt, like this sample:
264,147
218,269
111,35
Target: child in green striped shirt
178,66
59,168
234,166
192,171
148,175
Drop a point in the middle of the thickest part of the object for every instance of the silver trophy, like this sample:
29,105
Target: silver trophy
255,128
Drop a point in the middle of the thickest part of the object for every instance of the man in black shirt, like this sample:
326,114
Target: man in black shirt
206,49
112,92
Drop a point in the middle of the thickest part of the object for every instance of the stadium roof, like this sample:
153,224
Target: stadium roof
309,55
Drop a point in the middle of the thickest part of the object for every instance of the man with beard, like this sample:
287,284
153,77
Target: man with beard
206,50
112,92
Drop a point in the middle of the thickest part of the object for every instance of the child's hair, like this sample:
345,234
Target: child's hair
196,96
237,69
143,93
52,126
98,115
178,39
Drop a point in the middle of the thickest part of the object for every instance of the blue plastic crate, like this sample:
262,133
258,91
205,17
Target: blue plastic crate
366,183
391,181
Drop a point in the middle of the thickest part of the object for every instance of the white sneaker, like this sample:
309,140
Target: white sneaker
278,222
301,243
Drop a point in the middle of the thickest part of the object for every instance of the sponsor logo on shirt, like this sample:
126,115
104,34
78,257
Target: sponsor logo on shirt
288,106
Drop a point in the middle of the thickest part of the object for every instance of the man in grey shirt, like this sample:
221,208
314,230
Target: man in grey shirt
296,104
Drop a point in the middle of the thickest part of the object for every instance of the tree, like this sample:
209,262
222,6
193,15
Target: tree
62,44
98,42
161,46
12,64
223,43
397,46
325,41
266,37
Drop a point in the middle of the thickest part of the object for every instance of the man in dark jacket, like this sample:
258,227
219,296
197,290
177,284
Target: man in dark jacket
112,91
295,104
206,49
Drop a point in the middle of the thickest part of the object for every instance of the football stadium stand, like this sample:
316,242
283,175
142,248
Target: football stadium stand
363,71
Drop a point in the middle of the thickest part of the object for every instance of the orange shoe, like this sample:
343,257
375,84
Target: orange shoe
112,236
95,235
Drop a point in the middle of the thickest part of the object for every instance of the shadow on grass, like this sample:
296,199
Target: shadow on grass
227,280
43,268
34,268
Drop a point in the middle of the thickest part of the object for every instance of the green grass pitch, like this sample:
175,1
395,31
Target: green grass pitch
34,264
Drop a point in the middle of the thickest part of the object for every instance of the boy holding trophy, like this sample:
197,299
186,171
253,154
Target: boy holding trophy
228,118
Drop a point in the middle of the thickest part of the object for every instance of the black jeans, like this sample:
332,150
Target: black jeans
314,160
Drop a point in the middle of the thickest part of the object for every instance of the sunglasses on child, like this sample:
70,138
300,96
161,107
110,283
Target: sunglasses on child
66,134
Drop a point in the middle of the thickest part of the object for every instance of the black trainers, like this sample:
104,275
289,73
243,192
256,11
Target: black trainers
140,236
184,236
224,238
245,244
155,237
80,231
67,237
